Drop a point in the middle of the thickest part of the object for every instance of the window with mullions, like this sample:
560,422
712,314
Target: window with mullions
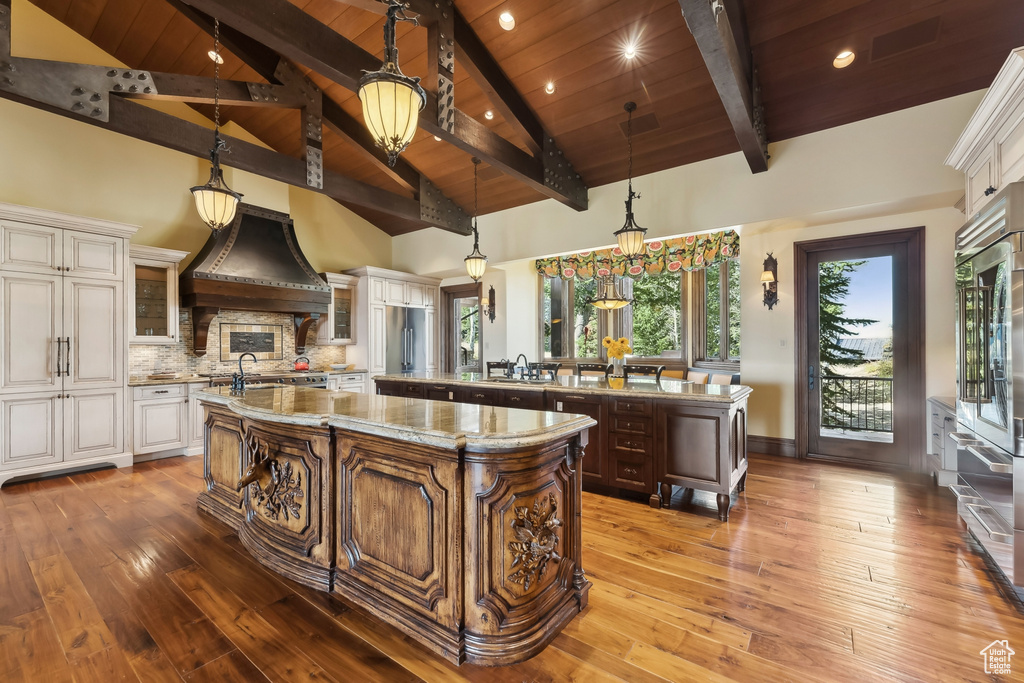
718,339
656,316
572,327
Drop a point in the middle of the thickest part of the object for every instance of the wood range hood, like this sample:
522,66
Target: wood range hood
253,265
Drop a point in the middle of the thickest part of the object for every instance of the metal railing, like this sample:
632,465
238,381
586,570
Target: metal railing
857,403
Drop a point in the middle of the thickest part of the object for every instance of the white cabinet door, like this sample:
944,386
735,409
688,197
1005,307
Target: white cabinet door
160,425
394,294
980,177
30,248
197,418
430,318
93,423
30,332
31,427
93,321
378,341
415,294
429,296
97,257
377,291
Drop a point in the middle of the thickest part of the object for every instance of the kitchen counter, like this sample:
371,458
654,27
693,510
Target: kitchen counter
458,524
144,381
435,423
636,387
948,402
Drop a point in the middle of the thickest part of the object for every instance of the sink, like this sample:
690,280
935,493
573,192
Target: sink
517,380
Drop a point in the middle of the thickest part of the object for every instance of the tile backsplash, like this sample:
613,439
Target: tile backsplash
144,359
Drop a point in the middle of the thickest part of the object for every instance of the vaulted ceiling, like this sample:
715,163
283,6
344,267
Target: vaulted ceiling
908,52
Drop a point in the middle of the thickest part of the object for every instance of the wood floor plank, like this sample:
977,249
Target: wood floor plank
32,651
230,668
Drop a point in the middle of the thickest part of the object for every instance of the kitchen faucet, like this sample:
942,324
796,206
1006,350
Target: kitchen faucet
238,378
525,365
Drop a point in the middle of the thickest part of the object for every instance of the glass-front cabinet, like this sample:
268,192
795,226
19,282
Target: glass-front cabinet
154,294
339,327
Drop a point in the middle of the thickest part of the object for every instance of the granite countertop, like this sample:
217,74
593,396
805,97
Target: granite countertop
354,371
144,381
948,402
435,423
636,387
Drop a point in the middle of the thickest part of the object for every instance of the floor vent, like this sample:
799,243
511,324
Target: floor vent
905,39
642,124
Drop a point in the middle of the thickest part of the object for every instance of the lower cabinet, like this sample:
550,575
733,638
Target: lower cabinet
167,420
595,459
354,382
941,450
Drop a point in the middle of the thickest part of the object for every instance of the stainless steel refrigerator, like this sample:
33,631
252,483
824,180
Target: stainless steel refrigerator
407,339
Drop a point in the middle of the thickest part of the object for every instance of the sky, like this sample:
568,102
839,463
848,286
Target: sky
870,296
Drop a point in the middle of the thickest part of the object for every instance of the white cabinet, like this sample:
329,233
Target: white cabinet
62,341
402,293
377,339
196,420
338,326
941,449
153,295
430,320
161,418
377,290
415,294
354,382
394,293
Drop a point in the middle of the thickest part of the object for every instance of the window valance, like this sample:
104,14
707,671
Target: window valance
692,252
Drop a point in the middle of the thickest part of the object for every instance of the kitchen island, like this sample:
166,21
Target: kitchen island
650,435
459,524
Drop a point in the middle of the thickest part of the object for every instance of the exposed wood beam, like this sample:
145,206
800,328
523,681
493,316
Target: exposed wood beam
726,53
288,30
199,90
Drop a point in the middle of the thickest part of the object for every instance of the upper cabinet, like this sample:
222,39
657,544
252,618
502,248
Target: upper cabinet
339,325
153,293
990,151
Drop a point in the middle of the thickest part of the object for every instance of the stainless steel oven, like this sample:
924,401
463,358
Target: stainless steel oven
316,380
990,379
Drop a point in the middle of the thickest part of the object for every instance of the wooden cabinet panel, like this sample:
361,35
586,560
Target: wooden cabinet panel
629,406
525,399
980,177
196,419
30,332
26,248
415,294
377,291
430,296
439,392
223,462
93,320
384,388
160,425
97,257
93,423
32,428
630,471
595,462
630,425
412,390
486,396
394,293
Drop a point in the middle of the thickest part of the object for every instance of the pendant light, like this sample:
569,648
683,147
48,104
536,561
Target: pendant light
391,100
215,201
630,236
610,298
476,263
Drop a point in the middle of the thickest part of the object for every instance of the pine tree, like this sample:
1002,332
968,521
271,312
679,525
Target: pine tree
833,288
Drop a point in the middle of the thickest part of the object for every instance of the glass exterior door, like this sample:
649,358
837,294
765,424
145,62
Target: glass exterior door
466,333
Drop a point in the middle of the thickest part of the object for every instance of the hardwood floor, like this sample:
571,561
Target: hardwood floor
822,573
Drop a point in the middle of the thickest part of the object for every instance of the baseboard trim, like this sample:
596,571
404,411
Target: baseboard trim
771,445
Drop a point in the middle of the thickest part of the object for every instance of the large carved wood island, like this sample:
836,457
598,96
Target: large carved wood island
459,524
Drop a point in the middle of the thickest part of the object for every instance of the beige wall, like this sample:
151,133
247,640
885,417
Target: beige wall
65,165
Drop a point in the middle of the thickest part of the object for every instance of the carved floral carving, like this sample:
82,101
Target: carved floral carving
535,540
272,484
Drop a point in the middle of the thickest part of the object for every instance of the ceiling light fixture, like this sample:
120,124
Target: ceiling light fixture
550,88
476,263
630,236
215,56
391,100
844,59
488,114
506,21
610,298
629,51
215,201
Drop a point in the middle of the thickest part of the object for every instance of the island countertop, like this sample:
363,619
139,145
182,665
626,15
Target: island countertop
635,387
434,423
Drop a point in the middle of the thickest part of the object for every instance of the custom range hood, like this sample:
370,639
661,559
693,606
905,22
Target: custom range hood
255,264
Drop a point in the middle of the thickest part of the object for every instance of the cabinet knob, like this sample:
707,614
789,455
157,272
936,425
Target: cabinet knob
990,190
514,398
630,470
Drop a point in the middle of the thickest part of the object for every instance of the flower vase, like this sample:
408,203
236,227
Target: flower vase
618,367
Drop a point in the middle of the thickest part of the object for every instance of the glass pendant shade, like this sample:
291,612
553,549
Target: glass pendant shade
610,298
391,106
767,276
631,238
476,264
215,201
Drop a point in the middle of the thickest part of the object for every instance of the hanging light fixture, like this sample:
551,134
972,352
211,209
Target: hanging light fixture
630,236
609,298
215,201
391,100
476,263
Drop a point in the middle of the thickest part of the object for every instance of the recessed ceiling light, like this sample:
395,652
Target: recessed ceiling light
844,59
214,57
629,51
506,21
488,114
550,88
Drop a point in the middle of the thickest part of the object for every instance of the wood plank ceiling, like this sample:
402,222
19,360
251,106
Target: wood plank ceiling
908,53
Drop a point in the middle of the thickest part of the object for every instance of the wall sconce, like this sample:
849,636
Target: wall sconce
489,304
770,280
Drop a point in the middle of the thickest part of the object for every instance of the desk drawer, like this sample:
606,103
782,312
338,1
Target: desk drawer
160,391
628,443
630,472
412,390
528,400
627,424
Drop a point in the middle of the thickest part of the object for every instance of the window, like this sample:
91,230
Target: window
657,324
718,339
572,328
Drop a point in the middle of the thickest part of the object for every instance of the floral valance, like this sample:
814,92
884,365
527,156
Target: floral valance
692,252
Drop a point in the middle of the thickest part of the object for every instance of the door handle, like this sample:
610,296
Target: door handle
67,366
59,371
810,377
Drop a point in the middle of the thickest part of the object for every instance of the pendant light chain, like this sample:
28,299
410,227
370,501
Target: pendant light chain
216,77
476,199
629,143
476,263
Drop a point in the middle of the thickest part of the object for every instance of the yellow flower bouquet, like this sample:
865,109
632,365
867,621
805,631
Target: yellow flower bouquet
617,348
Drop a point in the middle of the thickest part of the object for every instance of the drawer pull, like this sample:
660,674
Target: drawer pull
514,398
162,391
631,470
992,459
440,388
633,444
996,530
478,395
965,494
576,398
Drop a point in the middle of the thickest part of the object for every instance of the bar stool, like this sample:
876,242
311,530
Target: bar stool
592,369
551,368
646,370
503,365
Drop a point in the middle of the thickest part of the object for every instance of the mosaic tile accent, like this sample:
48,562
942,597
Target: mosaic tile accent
263,341
145,359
